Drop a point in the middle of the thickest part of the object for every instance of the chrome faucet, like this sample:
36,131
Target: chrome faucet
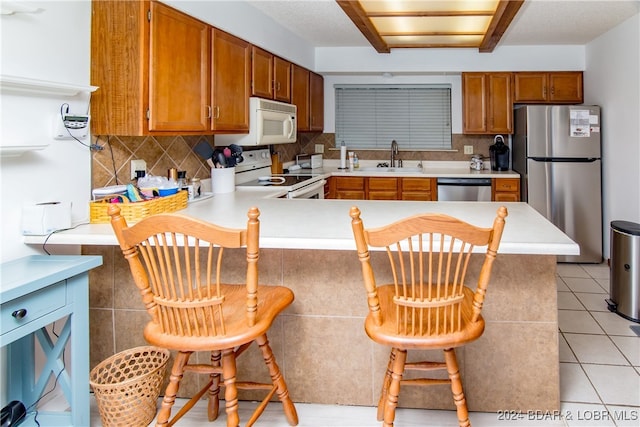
394,152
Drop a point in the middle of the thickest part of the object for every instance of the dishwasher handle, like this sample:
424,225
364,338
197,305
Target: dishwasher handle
467,182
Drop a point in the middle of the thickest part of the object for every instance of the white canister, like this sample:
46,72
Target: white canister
223,180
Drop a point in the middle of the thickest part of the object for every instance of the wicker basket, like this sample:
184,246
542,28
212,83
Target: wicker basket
126,386
135,211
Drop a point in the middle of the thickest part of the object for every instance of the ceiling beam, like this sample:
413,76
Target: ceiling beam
356,13
505,12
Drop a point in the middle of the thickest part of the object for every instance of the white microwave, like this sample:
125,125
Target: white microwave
270,122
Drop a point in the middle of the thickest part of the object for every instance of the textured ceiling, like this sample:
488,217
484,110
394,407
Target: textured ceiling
539,22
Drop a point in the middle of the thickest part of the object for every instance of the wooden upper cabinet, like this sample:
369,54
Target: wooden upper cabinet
261,73
282,80
548,88
178,71
300,95
316,102
566,87
487,103
270,75
152,64
231,80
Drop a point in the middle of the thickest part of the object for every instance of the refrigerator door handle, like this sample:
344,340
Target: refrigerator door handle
549,193
565,159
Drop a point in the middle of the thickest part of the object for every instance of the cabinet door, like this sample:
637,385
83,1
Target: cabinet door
120,106
500,104
282,80
316,107
417,188
300,95
231,76
179,67
530,87
261,73
382,188
505,189
349,187
566,87
474,103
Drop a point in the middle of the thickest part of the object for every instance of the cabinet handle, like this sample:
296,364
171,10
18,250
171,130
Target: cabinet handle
544,92
277,86
208,111
20,313
553,90
217,112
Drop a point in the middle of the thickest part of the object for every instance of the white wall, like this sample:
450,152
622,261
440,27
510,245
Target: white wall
423,61
250,24
612,80
53,45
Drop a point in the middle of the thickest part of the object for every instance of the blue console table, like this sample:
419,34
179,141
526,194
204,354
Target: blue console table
36,291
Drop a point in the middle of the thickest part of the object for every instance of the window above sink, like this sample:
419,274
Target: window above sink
371,116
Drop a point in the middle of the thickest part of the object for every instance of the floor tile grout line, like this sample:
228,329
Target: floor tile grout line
578,362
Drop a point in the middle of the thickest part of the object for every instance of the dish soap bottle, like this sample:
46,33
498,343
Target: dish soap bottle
356,162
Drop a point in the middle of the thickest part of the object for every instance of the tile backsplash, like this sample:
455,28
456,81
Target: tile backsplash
480,145
111,165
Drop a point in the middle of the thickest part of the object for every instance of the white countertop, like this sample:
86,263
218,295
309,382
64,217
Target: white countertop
325,224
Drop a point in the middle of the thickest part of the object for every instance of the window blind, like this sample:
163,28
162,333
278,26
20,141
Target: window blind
371,116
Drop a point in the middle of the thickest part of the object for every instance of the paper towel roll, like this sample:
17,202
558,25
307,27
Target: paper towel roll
343,156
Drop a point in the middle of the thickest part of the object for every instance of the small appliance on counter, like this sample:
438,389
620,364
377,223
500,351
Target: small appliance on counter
477,162
45,218
499,154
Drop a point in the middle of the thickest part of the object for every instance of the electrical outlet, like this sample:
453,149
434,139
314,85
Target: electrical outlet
319,148
468,149
138,165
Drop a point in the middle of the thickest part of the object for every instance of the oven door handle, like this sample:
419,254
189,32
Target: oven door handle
305,190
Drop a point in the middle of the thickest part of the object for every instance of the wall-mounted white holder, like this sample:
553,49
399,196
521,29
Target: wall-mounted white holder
70,126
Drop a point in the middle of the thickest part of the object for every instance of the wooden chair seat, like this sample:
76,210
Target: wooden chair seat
387,333
273,299
177,264
428,306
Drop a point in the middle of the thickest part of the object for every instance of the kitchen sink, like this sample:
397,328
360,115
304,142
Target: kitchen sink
391,170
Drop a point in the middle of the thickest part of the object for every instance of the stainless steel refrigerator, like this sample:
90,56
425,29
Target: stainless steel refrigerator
556,149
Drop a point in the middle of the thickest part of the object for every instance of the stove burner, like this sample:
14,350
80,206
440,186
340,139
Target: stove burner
275,180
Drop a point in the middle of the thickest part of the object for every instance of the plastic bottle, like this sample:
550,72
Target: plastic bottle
356,162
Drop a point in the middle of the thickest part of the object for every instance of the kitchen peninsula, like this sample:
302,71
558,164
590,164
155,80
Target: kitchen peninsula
320,344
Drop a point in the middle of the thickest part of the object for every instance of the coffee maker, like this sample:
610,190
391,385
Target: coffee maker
499,154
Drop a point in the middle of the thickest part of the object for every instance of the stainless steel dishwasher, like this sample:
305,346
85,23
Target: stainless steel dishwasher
464,189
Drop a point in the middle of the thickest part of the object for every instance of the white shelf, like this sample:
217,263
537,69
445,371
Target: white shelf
42,87
19,150
27,86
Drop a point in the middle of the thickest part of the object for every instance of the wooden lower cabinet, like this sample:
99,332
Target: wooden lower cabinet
418,189
382,188
346,187
505,190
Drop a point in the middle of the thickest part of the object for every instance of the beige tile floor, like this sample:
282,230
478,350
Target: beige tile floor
599,372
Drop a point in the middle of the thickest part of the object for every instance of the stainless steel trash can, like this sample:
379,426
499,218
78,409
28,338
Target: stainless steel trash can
624,283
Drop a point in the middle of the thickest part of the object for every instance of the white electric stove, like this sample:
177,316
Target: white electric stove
254,173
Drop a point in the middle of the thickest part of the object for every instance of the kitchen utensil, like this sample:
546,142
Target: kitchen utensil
222,160
236,151
204,150
231,161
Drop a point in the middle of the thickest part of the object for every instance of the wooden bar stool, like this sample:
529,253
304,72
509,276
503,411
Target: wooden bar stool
176,263
428,306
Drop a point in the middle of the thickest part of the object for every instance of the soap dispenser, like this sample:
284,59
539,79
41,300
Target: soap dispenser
499,154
